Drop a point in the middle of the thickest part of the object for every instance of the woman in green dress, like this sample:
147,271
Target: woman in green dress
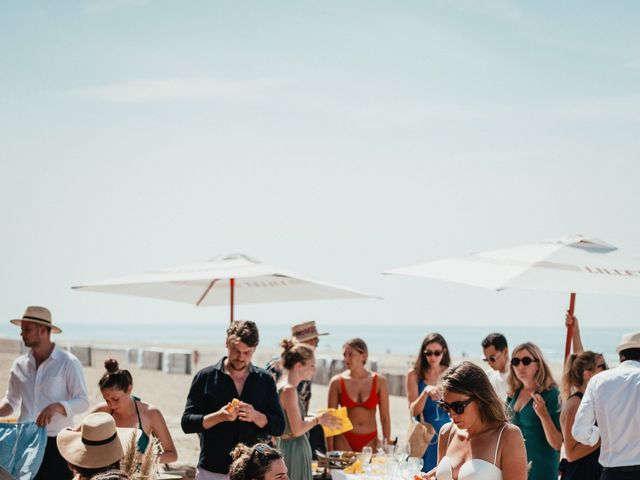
298,362
535,406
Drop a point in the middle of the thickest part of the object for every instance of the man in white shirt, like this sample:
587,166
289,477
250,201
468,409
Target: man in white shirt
46,386
610,412
496,354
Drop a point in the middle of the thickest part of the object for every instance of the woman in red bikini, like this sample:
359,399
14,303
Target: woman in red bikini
361,391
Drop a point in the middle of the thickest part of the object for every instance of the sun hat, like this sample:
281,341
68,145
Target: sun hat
629,340
98,443
39,315
305,331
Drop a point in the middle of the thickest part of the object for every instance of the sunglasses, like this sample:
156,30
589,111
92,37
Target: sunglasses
526,361
435,353
455,407
492,358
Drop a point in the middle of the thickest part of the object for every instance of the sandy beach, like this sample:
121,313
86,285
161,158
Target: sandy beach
169,391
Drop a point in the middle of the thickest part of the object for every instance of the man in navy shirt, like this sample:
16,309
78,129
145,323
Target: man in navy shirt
220,421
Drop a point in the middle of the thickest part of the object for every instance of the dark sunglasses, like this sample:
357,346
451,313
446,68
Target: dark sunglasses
526,361
436,353
455,407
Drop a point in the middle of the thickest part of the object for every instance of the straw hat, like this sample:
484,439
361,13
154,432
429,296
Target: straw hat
629,340
39,315
98,443
305,331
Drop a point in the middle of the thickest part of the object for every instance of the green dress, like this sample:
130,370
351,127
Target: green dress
296,451
543,457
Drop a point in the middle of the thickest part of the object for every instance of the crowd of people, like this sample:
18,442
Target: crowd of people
512,421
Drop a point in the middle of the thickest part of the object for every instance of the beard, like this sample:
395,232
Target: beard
237,366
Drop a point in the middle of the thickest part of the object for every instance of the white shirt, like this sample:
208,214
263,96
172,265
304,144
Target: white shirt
612,399
499,382
58,379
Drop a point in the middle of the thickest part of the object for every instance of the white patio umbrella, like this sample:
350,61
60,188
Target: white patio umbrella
572,264
226,279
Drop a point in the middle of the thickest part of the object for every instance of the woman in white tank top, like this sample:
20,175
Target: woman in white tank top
479,443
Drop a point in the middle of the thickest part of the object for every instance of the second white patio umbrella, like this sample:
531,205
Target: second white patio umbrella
572,264
227,279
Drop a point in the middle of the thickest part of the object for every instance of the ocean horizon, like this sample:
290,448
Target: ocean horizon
463,341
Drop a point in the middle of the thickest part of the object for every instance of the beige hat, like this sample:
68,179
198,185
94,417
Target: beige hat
39,315
629,340
305,331
98,443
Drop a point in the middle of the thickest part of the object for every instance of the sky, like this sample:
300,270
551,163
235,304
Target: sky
335,139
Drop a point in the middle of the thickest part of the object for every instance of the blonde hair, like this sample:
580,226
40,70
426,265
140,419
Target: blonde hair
543,378
294,352
574,368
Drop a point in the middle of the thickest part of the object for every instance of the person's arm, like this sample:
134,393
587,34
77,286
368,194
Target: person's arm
5,408
332,402
584,428
547,411
12,398
513,456
385,417
416,400
78,400
573,449
271,421
289,401
576,339
194,419
160,430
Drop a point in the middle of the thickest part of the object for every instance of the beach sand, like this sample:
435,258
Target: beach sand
169,391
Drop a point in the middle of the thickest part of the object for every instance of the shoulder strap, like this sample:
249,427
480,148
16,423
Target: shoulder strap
135,402
495,457
450,433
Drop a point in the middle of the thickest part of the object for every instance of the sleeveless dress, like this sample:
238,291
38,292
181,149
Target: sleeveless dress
296,450
585,468
543,457
437,418
474,469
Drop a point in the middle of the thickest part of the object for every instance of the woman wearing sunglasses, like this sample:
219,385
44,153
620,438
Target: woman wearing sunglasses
480,443
362,392
260,462
581,461
534,403
422,391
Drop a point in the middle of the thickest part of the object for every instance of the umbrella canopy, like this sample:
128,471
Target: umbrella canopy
226,279
572,264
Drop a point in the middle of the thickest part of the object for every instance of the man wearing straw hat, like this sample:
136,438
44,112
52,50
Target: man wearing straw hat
46,386
610,412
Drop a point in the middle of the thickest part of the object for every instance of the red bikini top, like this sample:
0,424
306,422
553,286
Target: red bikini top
370,403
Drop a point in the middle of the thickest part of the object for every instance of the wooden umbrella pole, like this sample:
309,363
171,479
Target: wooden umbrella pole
232,286
567,347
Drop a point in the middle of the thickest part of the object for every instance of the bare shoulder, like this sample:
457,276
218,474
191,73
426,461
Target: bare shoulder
412,375
381,378
512,433
101,407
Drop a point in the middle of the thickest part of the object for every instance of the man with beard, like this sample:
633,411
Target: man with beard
46,386
231,402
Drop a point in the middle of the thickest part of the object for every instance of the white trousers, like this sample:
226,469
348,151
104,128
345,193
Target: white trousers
202,474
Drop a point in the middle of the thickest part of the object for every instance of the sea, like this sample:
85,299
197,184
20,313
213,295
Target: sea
463,341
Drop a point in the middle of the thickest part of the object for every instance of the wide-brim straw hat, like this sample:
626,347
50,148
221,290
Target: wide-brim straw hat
629,340
39,315
305,331
98,443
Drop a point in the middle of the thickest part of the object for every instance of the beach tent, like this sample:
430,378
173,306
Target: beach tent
226,279
572,264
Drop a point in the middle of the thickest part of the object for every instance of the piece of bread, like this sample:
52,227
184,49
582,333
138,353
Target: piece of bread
232,404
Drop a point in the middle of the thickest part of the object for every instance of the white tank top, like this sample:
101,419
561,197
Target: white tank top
475,469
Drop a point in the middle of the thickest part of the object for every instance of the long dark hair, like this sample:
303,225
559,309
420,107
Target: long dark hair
469,379
421,366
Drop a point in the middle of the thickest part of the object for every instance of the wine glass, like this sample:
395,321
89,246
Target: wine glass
367,453
414,465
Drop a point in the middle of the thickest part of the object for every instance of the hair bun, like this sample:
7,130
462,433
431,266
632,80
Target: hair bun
111,364
287,343
240,450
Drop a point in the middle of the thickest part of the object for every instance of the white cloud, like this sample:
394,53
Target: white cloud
176,89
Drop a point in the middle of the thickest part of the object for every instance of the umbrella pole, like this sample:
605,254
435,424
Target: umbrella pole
567,347
232,286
